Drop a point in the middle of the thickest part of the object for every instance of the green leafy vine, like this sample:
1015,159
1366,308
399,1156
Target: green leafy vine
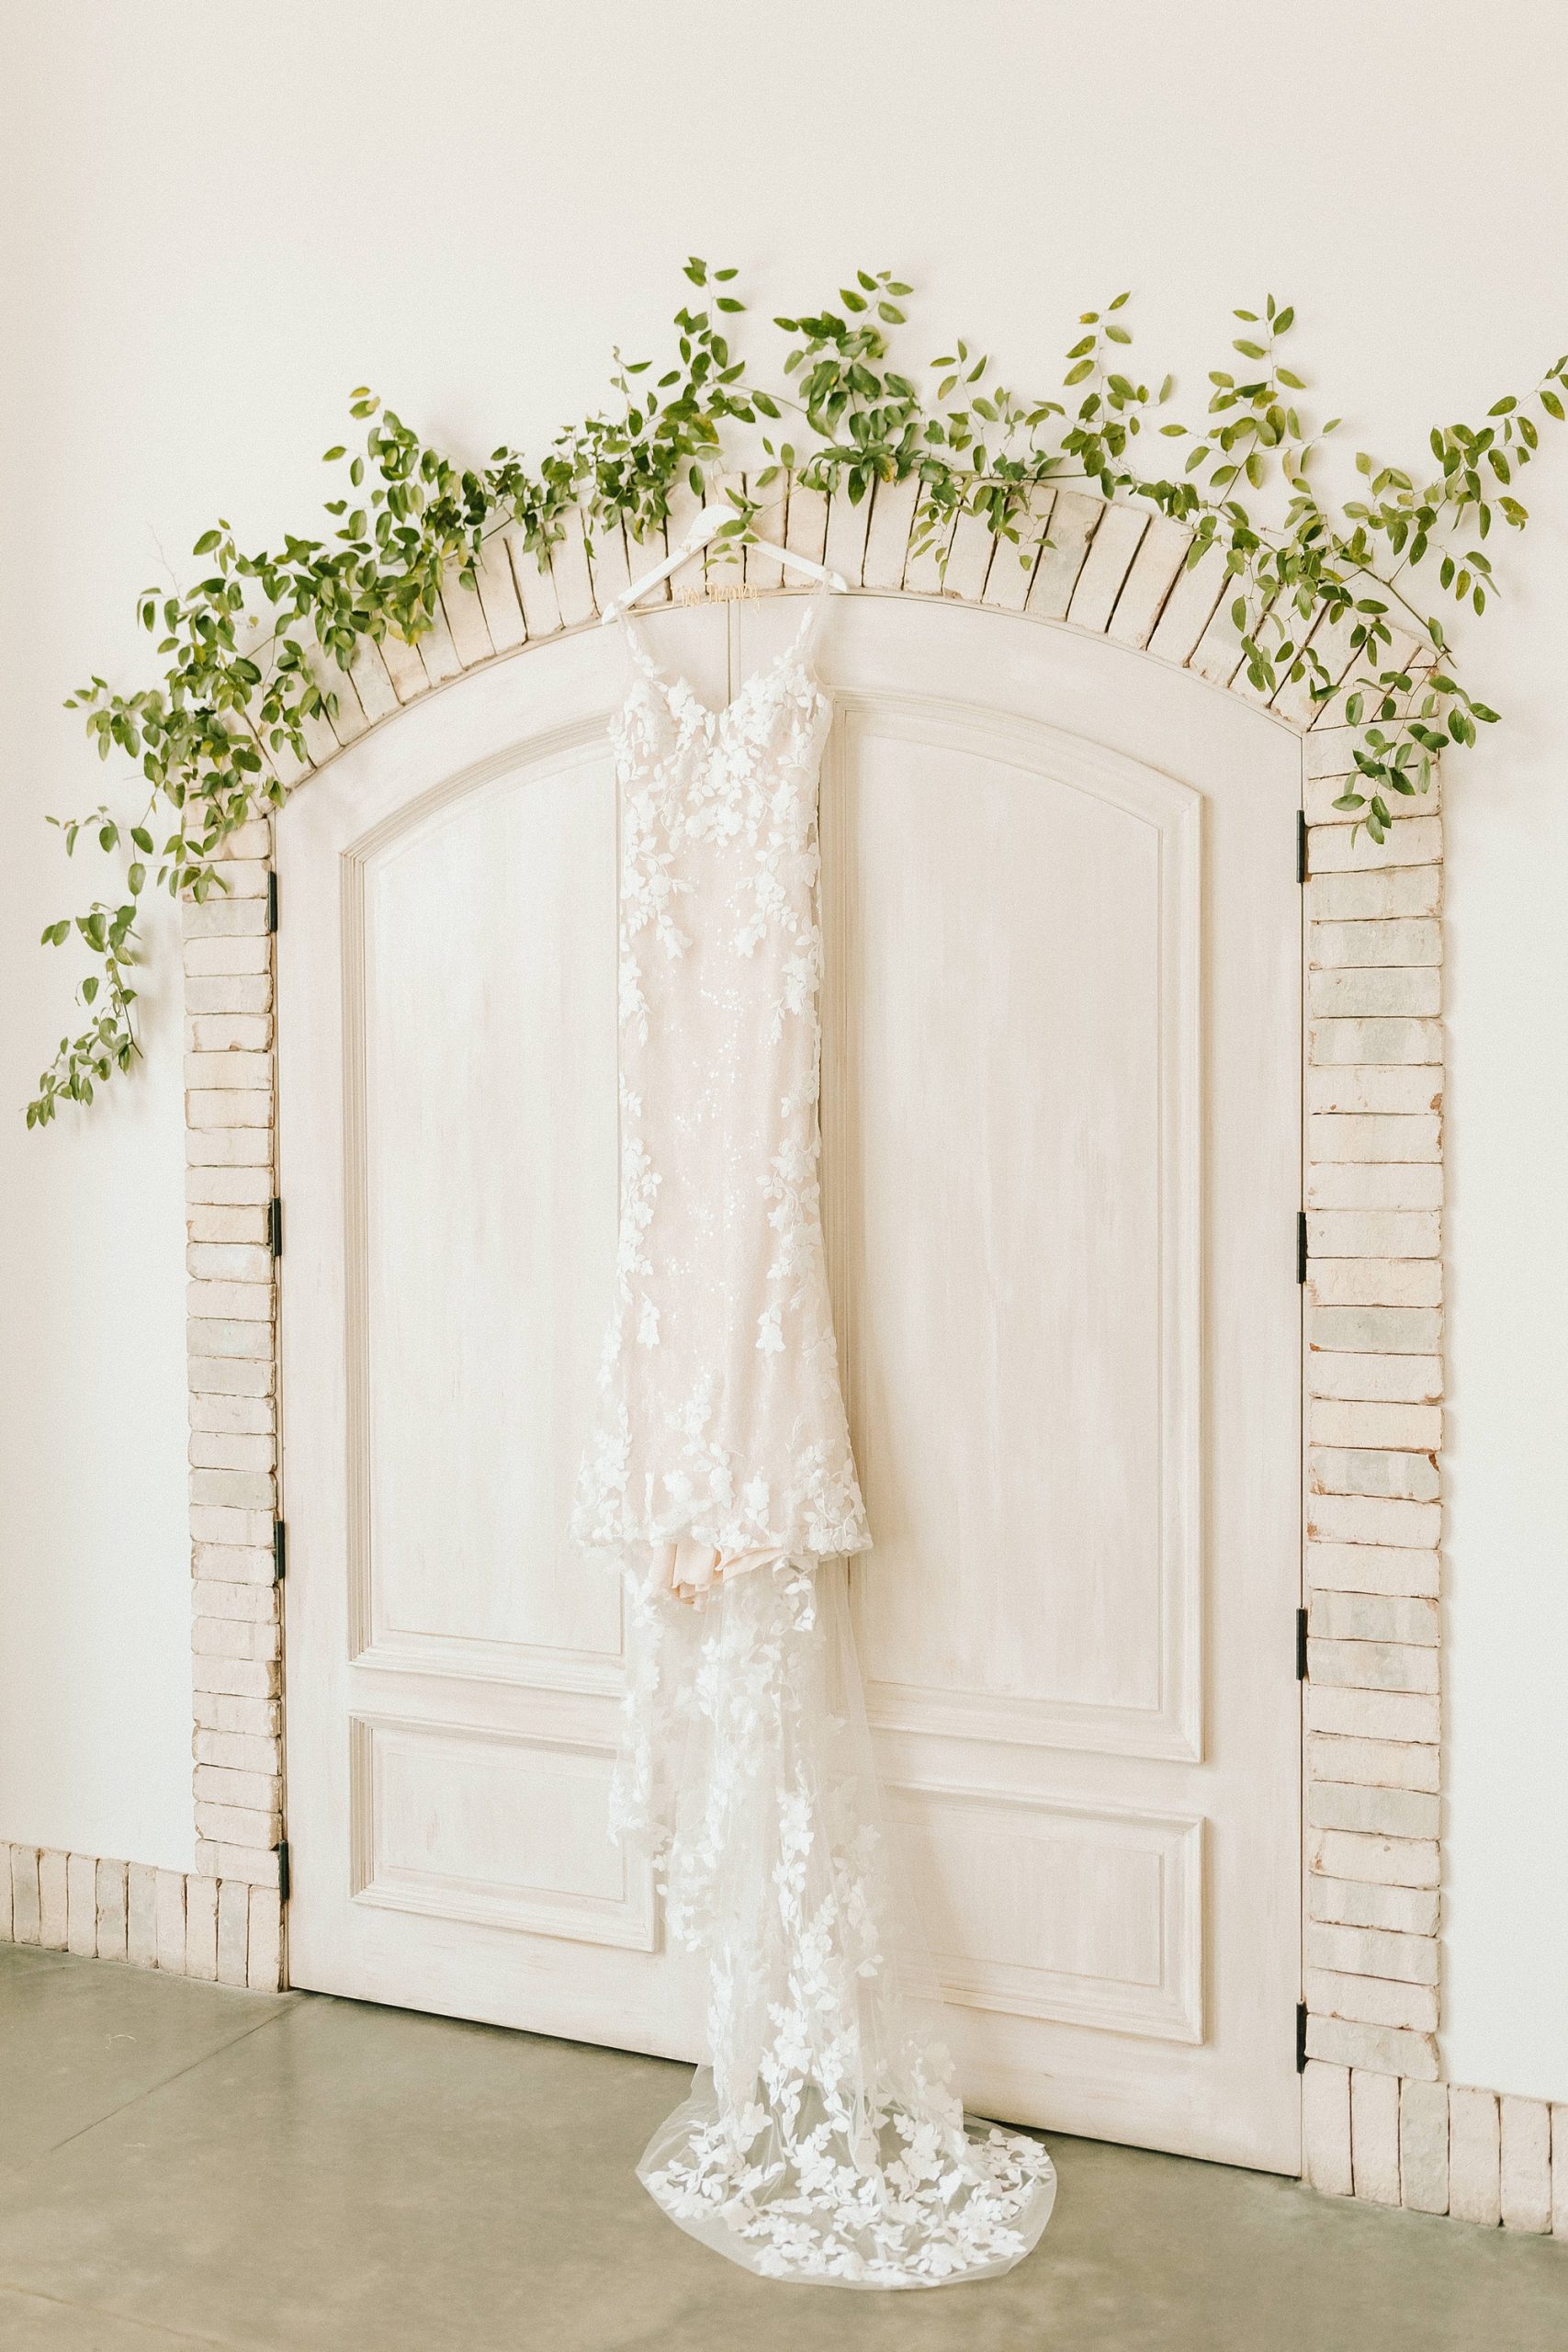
1345,599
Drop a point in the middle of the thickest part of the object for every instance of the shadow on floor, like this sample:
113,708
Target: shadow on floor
181,2165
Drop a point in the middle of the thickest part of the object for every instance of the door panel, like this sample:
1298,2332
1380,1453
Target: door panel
1060,1162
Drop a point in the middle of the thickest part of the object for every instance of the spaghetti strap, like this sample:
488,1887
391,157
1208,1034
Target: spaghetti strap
640,655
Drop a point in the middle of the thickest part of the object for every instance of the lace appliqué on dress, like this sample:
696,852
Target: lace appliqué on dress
825,2141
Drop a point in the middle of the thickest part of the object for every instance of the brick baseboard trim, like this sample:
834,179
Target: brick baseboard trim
219,1930
1437,2148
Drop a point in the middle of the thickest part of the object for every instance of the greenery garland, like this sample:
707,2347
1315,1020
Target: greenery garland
237,651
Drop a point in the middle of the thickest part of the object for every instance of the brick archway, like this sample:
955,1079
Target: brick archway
1376,2112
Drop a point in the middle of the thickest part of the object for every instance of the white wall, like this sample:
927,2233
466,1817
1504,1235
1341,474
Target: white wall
219,220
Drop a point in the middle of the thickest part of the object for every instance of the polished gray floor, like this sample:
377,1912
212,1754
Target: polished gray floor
183,2166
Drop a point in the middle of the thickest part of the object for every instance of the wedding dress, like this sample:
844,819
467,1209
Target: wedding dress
824,2142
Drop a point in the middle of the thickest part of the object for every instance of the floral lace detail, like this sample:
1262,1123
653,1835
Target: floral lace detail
826,2142
720,970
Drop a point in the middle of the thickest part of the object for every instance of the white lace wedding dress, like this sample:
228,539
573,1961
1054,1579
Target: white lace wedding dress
824,2142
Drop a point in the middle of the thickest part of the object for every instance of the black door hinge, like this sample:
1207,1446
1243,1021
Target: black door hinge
279,1551
1301,1244
1301,2037
274,1227
1300,847
282,1853
272,899
1300,1645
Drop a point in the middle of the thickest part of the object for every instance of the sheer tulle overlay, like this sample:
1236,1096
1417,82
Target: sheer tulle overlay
824,2142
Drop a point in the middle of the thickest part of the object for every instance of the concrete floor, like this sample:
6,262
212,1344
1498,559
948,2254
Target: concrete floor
183,2166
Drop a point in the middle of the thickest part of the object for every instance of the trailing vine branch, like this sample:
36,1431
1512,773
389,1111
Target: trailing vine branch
1339,601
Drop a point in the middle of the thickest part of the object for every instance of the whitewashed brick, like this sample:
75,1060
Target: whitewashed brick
1373,1567
51,1901
250,1376
1372,1952
207,1303
229,1262
257,1866
1379,1763
246,1490
372,682
141,1916
1382,2049
1379,1379
241,1416
80,1905
232,1071
201,1929
1355,946
1375,1184
1560,2172
235,992
1378,1042
226,959
1374,1714
1371,2000
1525,2167
1371,1519
1377,1331
264,1971
233,1638
1373,1281
234,1931
1424,2146
498,596
237,1751
1418,1428
1350,1247
1377,994
217,1108
1375,1617
1372,1470
1074,520
467,630
1326,2128
1372,1666
170,1905
228,1184
1413,841
253,1791
252,1827
109,1887
228,1146
221,1526
1382,1861
1374,2136
221,918
408,674
236,1676
213,1450
1378,1811
1389,895
1475,2170
1349,1087
1356,1903
227,1033
233,1563
254,1602
1404,1137
208,1222
224,1712
253,840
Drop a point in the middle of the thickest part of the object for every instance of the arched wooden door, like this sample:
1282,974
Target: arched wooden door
1061,1169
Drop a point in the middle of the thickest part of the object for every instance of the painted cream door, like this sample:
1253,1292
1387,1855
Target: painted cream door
1061,1153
